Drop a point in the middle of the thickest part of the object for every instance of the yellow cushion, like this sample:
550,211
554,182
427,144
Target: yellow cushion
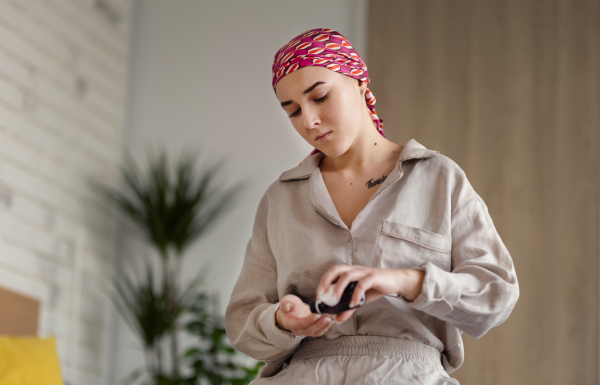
29,361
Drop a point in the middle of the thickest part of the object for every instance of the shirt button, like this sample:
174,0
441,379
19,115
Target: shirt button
348,237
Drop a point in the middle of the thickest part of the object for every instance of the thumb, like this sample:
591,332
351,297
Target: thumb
288,304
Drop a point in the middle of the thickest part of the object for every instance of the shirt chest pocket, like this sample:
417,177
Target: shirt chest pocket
406,247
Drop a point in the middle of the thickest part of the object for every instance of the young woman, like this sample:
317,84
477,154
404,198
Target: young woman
402,221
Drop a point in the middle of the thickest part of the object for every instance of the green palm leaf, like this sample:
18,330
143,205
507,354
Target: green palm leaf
173,213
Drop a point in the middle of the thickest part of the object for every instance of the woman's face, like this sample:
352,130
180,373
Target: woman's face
319,101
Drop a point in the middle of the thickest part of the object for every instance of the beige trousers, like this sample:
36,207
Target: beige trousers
367,360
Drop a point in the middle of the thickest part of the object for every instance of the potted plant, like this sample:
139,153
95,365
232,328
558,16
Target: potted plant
172,210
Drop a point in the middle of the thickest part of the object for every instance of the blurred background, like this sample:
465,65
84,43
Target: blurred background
508,89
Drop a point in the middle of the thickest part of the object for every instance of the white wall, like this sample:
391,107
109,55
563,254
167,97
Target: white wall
201,76
62,86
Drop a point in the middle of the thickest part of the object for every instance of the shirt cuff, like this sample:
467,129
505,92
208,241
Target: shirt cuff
440,291
278,337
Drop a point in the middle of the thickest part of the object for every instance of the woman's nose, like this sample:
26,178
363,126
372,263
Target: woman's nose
311,117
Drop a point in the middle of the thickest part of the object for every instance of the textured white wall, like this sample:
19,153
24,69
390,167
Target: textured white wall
62,89
201,76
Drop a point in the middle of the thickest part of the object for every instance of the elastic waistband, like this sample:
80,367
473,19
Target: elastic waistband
368,345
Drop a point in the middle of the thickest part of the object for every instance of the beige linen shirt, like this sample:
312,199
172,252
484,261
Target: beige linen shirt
425,215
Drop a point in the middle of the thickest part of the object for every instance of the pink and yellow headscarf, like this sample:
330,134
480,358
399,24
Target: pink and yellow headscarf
327,48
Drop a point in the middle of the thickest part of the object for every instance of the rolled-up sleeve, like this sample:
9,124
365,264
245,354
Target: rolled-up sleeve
250,315
482,289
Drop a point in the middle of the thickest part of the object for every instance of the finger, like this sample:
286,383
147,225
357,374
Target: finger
345,278
288,303
285,303
312,329
343,316
285,306
324,329
361,287
321,327
304,323
308,329
293,307
330,276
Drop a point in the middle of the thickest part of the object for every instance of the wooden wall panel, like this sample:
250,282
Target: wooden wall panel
509,90
19,315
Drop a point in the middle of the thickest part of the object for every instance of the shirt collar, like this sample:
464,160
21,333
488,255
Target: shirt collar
412,150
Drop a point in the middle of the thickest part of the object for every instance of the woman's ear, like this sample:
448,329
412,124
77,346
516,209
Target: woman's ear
362,85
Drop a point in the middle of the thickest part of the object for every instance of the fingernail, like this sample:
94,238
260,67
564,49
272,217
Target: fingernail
287,307
318,316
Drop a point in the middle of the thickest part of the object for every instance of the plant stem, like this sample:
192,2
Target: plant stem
149,360
171,272
175,305
174,350
159,364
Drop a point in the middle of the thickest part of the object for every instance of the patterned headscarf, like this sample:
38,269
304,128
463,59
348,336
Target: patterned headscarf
327,48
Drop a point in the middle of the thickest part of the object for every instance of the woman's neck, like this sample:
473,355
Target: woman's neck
372,151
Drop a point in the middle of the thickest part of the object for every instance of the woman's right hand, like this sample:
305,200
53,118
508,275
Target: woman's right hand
295,316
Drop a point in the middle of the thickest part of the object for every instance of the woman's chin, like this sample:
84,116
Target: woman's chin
332,148
332,152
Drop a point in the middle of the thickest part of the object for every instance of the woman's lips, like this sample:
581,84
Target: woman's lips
323,137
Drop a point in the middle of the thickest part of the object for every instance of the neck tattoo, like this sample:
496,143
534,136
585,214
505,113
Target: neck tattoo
370,183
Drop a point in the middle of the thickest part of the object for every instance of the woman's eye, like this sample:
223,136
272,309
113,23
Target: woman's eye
322,99
316,100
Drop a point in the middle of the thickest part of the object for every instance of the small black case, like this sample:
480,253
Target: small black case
341,306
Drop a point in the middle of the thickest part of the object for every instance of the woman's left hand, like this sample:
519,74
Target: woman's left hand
374,282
